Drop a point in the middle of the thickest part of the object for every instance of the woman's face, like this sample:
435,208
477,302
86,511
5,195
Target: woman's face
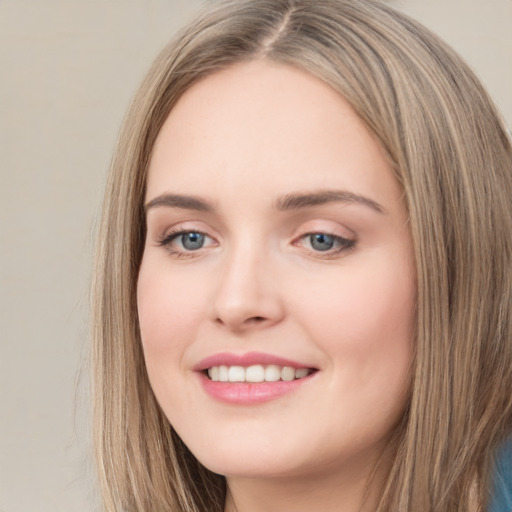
277,258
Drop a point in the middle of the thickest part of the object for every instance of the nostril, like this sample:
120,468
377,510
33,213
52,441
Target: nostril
251,321
255,320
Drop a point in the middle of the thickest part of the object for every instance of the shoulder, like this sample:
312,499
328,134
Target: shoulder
501,500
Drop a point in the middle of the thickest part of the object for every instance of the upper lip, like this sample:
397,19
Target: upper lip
247,359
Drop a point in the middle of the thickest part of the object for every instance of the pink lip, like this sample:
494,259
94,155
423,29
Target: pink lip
247,359
248,393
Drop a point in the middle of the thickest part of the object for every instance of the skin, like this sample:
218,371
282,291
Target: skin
242,140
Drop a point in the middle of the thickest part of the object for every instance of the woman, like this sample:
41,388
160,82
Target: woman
302,289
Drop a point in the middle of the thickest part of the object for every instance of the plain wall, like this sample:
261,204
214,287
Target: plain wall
67,72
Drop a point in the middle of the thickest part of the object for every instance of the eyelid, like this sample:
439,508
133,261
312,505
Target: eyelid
345,242
325,227
172,235
185,227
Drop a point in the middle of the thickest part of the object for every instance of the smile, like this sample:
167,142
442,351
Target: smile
256,373
251,378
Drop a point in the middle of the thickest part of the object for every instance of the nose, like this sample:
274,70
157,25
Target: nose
248,295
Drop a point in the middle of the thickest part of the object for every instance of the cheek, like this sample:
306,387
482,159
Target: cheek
167,312
169,316
363,300
365,320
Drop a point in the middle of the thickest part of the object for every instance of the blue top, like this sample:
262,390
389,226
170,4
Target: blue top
502,492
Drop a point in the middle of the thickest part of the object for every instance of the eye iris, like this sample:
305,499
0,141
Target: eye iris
192,241
321,241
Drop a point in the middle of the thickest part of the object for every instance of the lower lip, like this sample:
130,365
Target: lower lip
249,393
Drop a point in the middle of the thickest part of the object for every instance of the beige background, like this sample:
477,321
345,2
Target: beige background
67,72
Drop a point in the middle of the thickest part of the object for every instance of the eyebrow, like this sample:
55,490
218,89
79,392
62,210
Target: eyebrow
288,202
179,201
306,200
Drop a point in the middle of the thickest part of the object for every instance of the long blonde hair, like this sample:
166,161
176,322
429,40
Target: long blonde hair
451,155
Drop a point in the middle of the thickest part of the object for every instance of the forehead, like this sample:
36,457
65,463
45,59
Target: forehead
268,125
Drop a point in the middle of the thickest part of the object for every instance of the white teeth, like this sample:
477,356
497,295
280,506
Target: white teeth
256,373
272,373
300,373
223,374
236,374
214,373
287,373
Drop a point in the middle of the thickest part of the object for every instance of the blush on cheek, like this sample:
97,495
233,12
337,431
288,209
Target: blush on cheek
167,326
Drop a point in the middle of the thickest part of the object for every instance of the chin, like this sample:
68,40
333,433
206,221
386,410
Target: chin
253,460
261,468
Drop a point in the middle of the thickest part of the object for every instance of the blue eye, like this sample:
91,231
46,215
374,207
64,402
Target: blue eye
183,243
192,241
326,244
322,242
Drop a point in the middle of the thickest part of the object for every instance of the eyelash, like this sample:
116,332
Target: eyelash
344,244
174,234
